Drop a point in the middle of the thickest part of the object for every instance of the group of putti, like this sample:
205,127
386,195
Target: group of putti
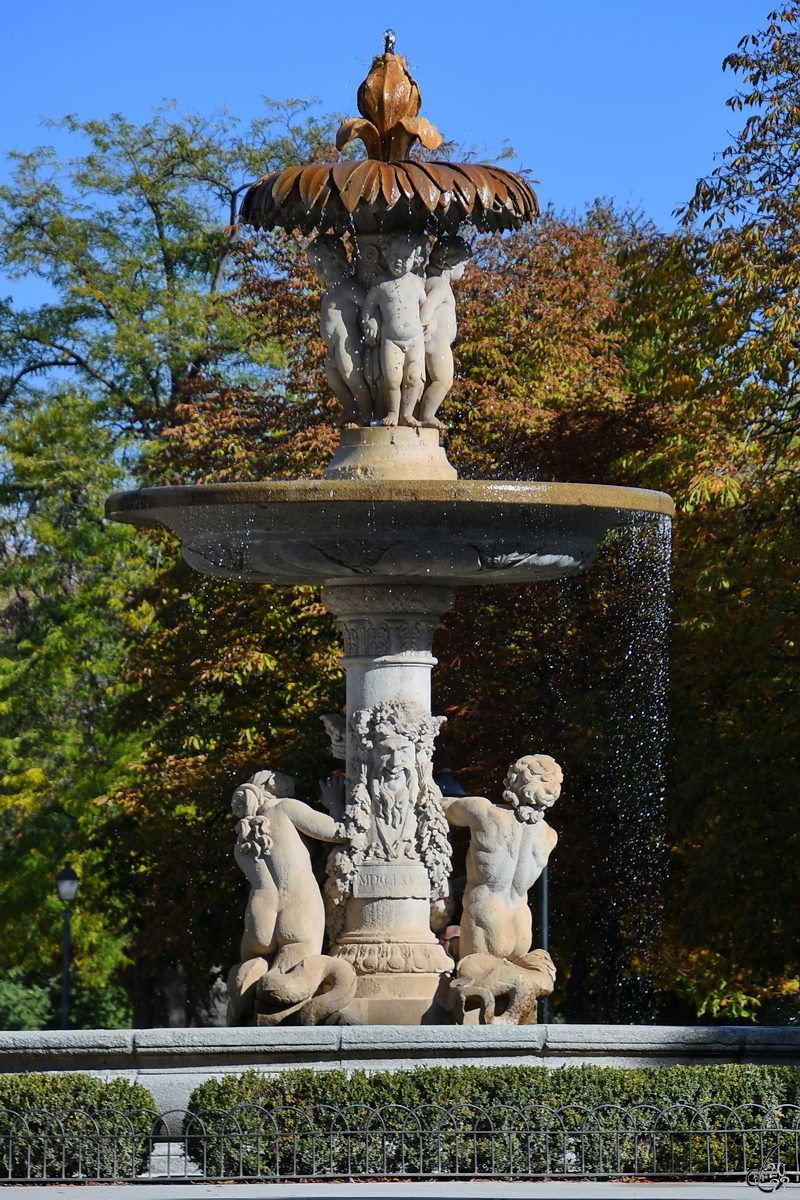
284,975
388,321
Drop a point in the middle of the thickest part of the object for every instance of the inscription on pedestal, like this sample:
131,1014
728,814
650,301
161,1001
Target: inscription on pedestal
391,880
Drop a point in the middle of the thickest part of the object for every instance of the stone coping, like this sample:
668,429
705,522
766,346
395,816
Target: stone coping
392,1046
133,506
461,1189
171,1063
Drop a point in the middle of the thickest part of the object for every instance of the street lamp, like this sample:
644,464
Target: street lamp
544,937
448,785
67,885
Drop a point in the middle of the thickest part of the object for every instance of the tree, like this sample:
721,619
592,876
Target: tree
225,703
66,580
738,718
134,238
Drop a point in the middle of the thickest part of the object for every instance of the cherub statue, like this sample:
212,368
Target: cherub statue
285,920
248,804
447,263
509,848
501,992
391,319
340,327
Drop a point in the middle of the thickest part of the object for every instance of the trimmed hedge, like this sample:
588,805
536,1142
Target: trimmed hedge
495,1121
73,1125
515,1086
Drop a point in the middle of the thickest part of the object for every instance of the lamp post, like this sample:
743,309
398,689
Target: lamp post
67,885
544,937
448,785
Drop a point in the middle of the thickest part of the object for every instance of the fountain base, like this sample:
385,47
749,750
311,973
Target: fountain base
398,999
173,1062
390,542
398,453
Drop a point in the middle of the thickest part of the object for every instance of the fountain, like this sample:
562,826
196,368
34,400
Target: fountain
388,534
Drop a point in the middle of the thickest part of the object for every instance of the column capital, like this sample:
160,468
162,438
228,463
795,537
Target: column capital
367,599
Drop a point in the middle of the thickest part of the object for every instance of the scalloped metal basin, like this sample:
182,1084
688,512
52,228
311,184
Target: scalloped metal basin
338,532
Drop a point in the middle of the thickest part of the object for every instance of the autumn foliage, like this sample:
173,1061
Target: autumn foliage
590,347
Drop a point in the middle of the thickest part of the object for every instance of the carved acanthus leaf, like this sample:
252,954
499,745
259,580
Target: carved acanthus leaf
357,128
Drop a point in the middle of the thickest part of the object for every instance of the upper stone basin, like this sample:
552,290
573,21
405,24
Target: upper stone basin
459,533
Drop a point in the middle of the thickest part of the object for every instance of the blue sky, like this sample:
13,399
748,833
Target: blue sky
598,97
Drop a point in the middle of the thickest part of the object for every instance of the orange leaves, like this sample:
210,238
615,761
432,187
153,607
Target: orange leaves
390,100
541,388
371,195
365,131
416,129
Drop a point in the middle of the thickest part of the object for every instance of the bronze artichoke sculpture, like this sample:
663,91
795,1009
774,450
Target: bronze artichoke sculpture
388,190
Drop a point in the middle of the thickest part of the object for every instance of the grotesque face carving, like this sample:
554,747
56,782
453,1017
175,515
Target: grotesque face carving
395,755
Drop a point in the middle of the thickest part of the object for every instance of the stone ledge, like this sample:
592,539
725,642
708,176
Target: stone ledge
173,1062
134,1049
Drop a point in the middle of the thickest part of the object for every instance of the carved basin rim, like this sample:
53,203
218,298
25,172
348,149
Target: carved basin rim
139,507
371,196
331,532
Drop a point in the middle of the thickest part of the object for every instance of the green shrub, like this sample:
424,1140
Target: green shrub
587,1086
444,1120
27,1003
73,1126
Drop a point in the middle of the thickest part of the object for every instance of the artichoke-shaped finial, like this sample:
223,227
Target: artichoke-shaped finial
389,101
388,190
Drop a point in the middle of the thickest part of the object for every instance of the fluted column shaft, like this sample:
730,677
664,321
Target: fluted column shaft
391,880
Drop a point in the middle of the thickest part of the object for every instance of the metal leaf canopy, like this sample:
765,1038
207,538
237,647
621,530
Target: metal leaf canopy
388,190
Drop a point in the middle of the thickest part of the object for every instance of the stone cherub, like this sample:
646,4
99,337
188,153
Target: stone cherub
284,923
447,263
509,847
391,319
340,327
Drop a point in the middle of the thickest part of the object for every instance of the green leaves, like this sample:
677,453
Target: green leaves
133,237
509,1085
65,580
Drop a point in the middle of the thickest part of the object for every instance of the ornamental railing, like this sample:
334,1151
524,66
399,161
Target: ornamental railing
465,1141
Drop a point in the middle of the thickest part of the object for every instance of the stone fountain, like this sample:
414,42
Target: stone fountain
389,533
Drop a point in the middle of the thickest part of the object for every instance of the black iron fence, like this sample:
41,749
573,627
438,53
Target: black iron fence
429,1142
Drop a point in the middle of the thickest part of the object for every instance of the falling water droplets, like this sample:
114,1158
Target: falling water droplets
619,698
638,748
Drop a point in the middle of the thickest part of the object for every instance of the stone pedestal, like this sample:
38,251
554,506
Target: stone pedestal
393,877
381,453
